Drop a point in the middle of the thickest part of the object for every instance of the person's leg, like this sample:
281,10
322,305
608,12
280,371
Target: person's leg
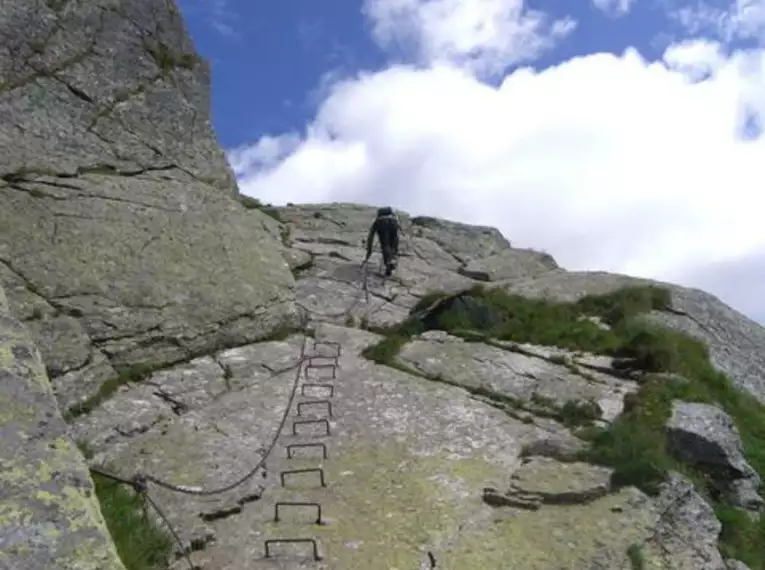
387,254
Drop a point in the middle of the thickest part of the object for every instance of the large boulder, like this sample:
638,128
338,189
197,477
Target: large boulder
49,515
706,437
121,238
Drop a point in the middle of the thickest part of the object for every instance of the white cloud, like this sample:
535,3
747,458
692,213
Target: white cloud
740,20
614,7
485,36
606,162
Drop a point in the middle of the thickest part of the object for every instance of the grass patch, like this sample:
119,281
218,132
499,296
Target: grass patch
575,413
302,269
168,60
636,558
56,5
254,204
385,351
635,445
140,543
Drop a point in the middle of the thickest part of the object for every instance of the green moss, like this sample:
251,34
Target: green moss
636,557
140,543
56,5
390,532
576,413
635,445
300,270
125,374
268,209
168,60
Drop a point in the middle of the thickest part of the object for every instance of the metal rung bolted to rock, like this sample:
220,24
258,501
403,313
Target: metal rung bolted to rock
331,367
333,360
312,541
315,403
292,446
297,504
323,421
329,387
336,345
318,470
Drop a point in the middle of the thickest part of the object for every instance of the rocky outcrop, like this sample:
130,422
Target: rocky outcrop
408,461
124,247
121,241
510,264
438,255
705,436
520,378
733,339
412,448
49,515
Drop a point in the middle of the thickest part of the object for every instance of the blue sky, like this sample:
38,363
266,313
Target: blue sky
269,59
618,135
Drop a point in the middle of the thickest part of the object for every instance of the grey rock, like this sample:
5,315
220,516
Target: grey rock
524,379
732,564
705,436
556,483
49,505
462,241
686,531
118,218
733,339
509,264
561,446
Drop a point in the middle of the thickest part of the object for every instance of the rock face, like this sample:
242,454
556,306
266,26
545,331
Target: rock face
49,516
704,435
734,340
408,462
120,238
122,242
464,452
438,255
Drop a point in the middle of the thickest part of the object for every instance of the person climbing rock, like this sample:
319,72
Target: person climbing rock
386,227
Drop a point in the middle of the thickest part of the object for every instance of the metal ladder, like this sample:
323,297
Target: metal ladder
315,362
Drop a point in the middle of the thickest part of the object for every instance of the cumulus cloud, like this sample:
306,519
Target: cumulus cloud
485,36
608,162
614,7
736,20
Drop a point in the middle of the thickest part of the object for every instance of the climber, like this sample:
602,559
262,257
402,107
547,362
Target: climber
386,227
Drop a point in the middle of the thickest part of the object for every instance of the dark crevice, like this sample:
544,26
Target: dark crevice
179,407
79,93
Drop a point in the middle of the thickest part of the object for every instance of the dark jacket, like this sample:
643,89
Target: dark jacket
386,228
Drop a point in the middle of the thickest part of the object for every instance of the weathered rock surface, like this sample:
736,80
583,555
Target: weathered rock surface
120,238
734,340
121,241
437,255
408,462
523,379
686,532
705,436
49,515
510,264
543,480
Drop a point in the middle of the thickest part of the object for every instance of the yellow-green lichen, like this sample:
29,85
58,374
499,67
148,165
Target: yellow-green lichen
554,537
14,513
385,504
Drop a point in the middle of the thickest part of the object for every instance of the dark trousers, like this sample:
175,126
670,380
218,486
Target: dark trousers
389,259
